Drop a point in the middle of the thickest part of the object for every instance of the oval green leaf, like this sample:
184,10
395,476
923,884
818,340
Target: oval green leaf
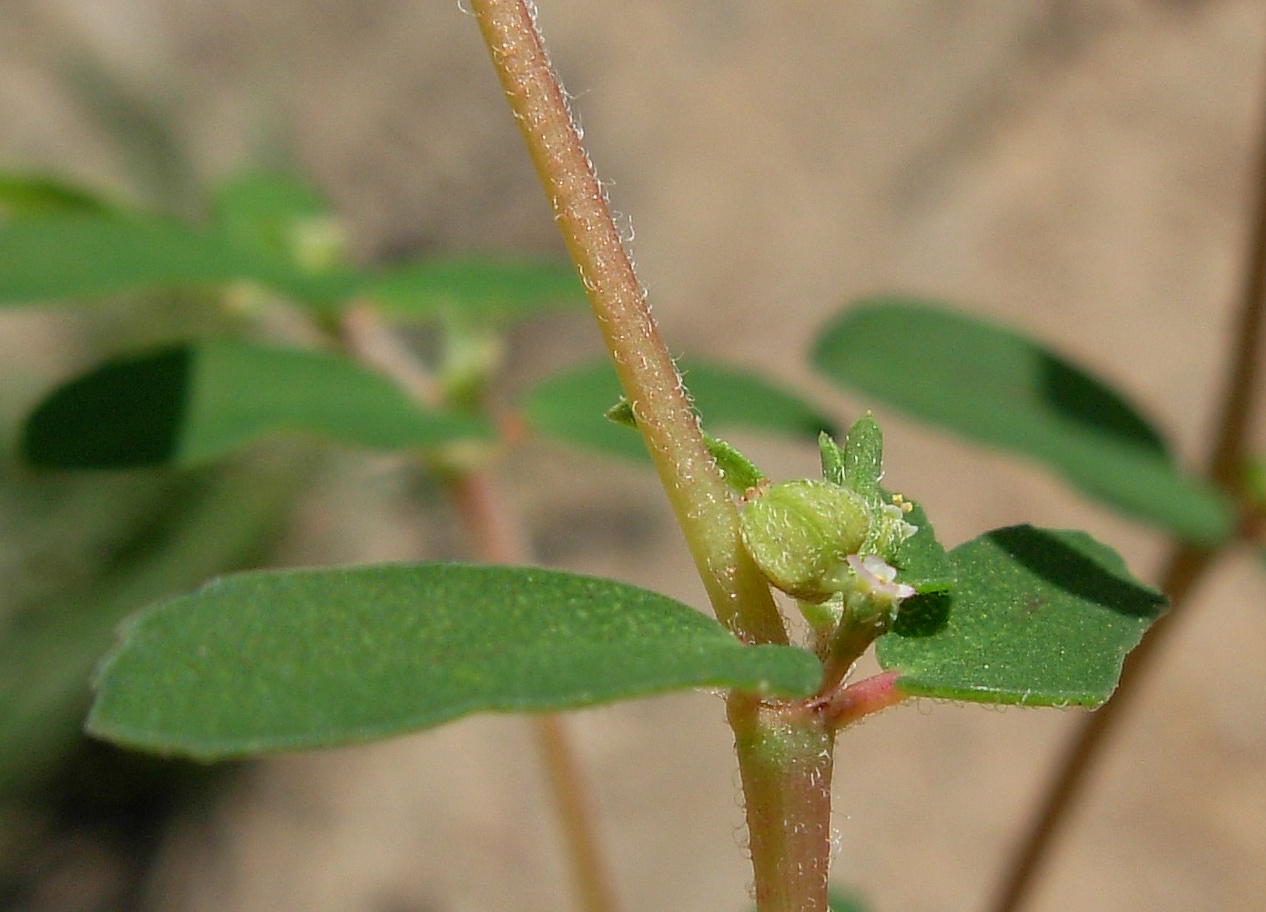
67,256
274,661
570,406
195,403
1037,617
475,290
997,387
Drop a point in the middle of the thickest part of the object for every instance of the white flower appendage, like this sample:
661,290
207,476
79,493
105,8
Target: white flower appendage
877,579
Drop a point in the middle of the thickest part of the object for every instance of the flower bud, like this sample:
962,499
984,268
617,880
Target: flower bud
800,534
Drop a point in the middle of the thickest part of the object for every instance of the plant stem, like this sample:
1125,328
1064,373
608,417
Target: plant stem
588,867
785,752
1184,568
786,759
651,383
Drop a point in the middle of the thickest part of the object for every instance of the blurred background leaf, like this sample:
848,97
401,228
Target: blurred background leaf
196,403
33,194
475,290
97,549
998,387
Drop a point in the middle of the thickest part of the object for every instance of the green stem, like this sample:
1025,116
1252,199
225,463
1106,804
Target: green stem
650,381
785,759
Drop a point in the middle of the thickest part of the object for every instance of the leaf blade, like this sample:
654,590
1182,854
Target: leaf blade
195,403
23,195
314,658
1037,617
997,387
67,256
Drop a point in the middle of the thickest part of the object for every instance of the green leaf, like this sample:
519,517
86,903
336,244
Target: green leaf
998,387
862,457
24,195
77,255
570,406
269,212
194,403
316,658
1038,617
476,290
739,473
832,458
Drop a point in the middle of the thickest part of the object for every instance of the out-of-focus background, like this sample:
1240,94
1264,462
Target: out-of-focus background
1077,167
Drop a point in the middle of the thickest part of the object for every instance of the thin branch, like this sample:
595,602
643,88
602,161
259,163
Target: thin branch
1184,568
575,812
498,538
369,340
1226,463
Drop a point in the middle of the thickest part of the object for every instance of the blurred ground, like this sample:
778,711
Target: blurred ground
1078,167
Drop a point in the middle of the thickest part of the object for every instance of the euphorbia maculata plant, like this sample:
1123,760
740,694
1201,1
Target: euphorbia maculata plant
279,660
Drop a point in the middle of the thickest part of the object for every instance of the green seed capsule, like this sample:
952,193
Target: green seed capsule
800,532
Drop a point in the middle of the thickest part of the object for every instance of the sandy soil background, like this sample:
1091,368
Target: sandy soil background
1077,167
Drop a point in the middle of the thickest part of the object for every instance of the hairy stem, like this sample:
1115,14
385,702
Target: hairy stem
650,381
1184,568
784,753
786,760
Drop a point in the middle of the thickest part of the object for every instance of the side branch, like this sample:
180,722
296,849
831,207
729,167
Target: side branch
857,701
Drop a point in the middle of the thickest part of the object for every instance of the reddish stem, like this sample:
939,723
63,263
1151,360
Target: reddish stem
856,701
